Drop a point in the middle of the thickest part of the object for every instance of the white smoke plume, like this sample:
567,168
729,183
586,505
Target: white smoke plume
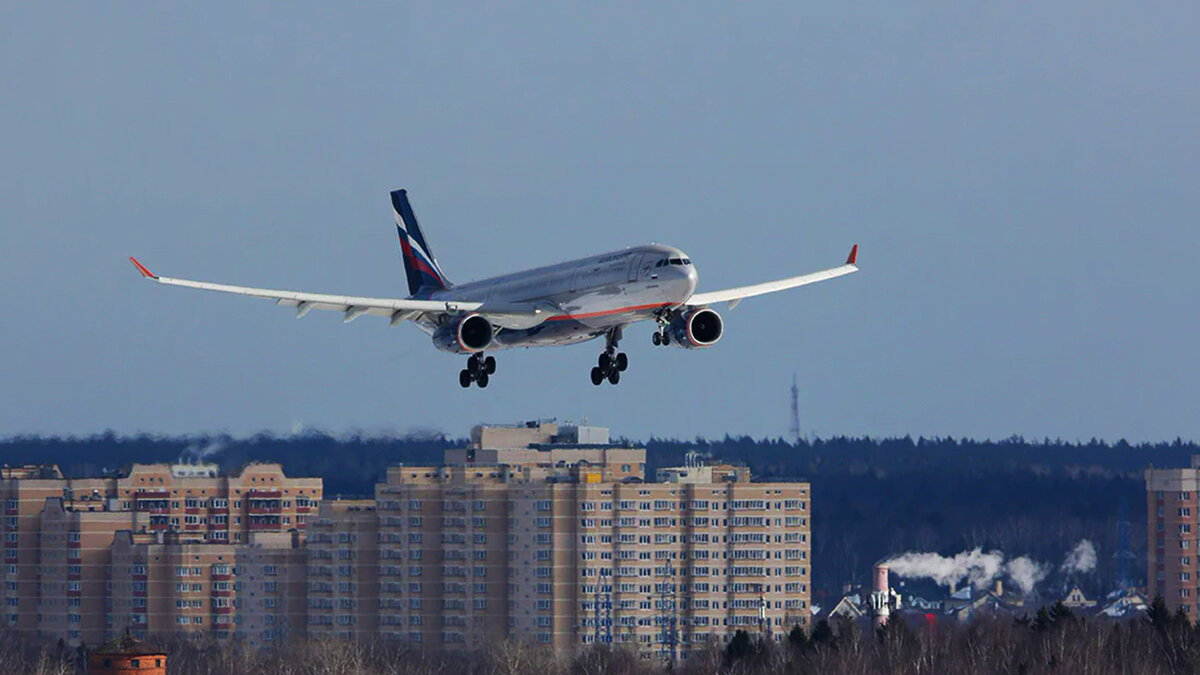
1081,559
197,454
1026,573
975,566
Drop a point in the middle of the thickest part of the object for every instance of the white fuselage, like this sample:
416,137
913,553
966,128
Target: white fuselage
586,297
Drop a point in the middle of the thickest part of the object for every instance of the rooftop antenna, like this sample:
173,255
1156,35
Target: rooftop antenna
796,434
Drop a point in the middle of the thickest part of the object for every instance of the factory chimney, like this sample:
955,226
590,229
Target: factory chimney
883,599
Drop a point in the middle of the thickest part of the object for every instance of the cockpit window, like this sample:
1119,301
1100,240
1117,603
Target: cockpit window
687,261
676,261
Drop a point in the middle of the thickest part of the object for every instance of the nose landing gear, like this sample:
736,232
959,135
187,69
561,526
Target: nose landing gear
478,369
661,335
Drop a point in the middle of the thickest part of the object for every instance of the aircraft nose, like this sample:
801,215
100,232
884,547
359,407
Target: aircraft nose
691,278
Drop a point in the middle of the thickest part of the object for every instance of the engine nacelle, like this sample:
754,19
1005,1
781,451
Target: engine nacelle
696,328
464,335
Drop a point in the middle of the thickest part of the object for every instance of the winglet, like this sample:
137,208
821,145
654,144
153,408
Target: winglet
849,261
142,269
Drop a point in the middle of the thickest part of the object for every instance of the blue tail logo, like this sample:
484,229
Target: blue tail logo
424,273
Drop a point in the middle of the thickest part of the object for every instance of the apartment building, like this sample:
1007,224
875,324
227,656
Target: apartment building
1172,547
173,582
59,532
343,572
197,500
25,490
270,589
535,534
664,566
75,552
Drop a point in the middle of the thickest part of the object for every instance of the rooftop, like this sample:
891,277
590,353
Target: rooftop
127,644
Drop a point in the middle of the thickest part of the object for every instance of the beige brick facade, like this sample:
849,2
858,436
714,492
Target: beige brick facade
1173,547
565,545
59,538
343,578
548,537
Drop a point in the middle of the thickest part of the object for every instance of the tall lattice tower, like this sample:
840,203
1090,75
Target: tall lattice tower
1124,555
795,431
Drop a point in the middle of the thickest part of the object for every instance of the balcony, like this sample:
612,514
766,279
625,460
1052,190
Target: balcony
264,505
260,522
152,500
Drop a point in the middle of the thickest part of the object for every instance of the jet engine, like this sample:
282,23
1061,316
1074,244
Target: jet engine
464,335
696,328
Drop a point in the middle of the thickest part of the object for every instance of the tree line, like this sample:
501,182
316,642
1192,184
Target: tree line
1054,640
871,497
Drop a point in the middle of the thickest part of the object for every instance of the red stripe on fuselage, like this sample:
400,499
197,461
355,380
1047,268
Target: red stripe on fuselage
619,310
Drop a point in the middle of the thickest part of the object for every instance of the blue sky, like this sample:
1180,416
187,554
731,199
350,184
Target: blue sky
1021,178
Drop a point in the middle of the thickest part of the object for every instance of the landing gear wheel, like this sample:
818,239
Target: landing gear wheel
489,365
614,377
597,376
464,379
656,338
473,365
666,339
622,362
605,362
482,380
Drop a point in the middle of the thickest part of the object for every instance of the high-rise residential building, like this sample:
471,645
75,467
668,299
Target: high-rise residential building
343,572
532,532
1172,546
169,582
59,532
270,593
555,537
75,550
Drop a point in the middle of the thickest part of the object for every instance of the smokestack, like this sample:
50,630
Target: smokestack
881,599
998,589
879,575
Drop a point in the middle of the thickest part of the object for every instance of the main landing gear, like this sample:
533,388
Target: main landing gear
478,369
611,363
661,337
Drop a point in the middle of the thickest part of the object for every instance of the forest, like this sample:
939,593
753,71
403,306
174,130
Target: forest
872,498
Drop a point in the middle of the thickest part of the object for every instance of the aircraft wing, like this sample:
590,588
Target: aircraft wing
396,309
735,295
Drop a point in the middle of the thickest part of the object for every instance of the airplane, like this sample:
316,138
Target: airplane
566,303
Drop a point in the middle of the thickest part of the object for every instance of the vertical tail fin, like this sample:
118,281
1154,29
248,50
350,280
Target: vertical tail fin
424,273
